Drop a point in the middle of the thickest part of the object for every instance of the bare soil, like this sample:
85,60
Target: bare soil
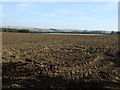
54,61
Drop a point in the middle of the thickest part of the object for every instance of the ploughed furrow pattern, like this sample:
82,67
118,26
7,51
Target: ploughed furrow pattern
89,69
60,61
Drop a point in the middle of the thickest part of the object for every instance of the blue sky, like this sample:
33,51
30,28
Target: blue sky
62,15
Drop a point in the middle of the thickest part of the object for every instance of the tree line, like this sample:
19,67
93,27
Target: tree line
15,30
55,31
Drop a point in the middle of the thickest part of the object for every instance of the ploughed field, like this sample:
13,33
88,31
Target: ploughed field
58,61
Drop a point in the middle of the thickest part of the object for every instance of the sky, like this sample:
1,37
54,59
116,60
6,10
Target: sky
61,15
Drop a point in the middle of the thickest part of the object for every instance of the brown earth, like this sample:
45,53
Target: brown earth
54,61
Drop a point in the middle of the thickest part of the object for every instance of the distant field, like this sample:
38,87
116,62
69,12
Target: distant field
74,34
60,61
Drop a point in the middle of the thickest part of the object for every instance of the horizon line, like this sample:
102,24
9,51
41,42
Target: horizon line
56,28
